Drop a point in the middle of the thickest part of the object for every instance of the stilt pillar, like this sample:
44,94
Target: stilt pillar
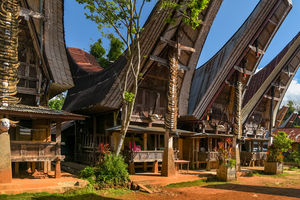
168,165
237,120
5,160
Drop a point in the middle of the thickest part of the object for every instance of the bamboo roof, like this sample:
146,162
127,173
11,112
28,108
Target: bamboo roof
209,81
100,91
278,73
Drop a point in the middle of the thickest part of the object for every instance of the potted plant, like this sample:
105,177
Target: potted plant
226,170
274,162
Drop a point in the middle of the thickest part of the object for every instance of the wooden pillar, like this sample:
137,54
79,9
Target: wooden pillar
193,153
17,169
237,130
94,142
209,144
5,160
197,152
155,167
168,166
155,142
145,149
180,148
58,150
271,116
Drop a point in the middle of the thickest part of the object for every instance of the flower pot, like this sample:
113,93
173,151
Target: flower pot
226,173
273,167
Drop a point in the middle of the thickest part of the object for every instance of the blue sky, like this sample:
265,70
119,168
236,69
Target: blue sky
80,32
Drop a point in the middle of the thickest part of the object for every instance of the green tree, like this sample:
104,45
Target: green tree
99,52
123,17
57,102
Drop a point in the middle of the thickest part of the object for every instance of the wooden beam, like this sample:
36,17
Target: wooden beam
243,70
272,22
177,45
157,77
278,85
35,40
269,97
256,50
26,13
164,62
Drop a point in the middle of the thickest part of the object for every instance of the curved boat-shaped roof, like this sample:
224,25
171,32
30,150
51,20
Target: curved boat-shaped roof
245,49
100,91
278,73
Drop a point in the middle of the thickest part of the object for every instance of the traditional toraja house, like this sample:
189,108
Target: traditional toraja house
41,71
288,123
214,109
99,96
263,98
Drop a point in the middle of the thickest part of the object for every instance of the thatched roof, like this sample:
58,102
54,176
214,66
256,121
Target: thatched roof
279,72
209,82
100,91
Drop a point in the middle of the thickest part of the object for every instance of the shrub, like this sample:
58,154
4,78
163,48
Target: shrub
280,144
112,172
88,173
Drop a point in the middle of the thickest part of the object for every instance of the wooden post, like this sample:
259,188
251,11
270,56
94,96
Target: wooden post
58,150
155,167
17,169
145,149
94,138
271,116
193,153
237,120
197,153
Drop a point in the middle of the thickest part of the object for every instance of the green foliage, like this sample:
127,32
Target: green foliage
57,102
195,183
189,9
112,172
294,156
225,156
129,96
88,173
280,145
116,49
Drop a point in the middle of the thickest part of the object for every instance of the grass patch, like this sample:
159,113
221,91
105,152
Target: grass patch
296,169
262,174
86,193
194,183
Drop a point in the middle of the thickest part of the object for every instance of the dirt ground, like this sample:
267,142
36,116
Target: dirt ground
285,186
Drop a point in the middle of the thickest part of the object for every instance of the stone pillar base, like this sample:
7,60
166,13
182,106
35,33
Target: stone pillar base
168,165
5,161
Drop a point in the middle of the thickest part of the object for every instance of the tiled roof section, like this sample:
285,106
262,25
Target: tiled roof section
84,60
293,133
259,78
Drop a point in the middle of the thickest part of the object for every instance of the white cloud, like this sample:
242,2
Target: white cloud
293,92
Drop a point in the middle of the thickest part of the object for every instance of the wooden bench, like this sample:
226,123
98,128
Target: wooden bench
181,163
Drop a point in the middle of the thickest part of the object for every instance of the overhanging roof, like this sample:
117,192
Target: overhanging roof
257,30
101,91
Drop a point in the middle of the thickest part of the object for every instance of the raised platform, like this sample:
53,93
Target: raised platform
59,185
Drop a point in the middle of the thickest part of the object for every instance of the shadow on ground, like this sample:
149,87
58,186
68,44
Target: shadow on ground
288,192
75,197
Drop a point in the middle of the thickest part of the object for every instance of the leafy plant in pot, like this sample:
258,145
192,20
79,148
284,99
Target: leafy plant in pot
274,162
226,170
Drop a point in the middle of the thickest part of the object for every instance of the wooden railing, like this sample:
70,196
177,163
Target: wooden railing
208,156
146,156
246,157
32,151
